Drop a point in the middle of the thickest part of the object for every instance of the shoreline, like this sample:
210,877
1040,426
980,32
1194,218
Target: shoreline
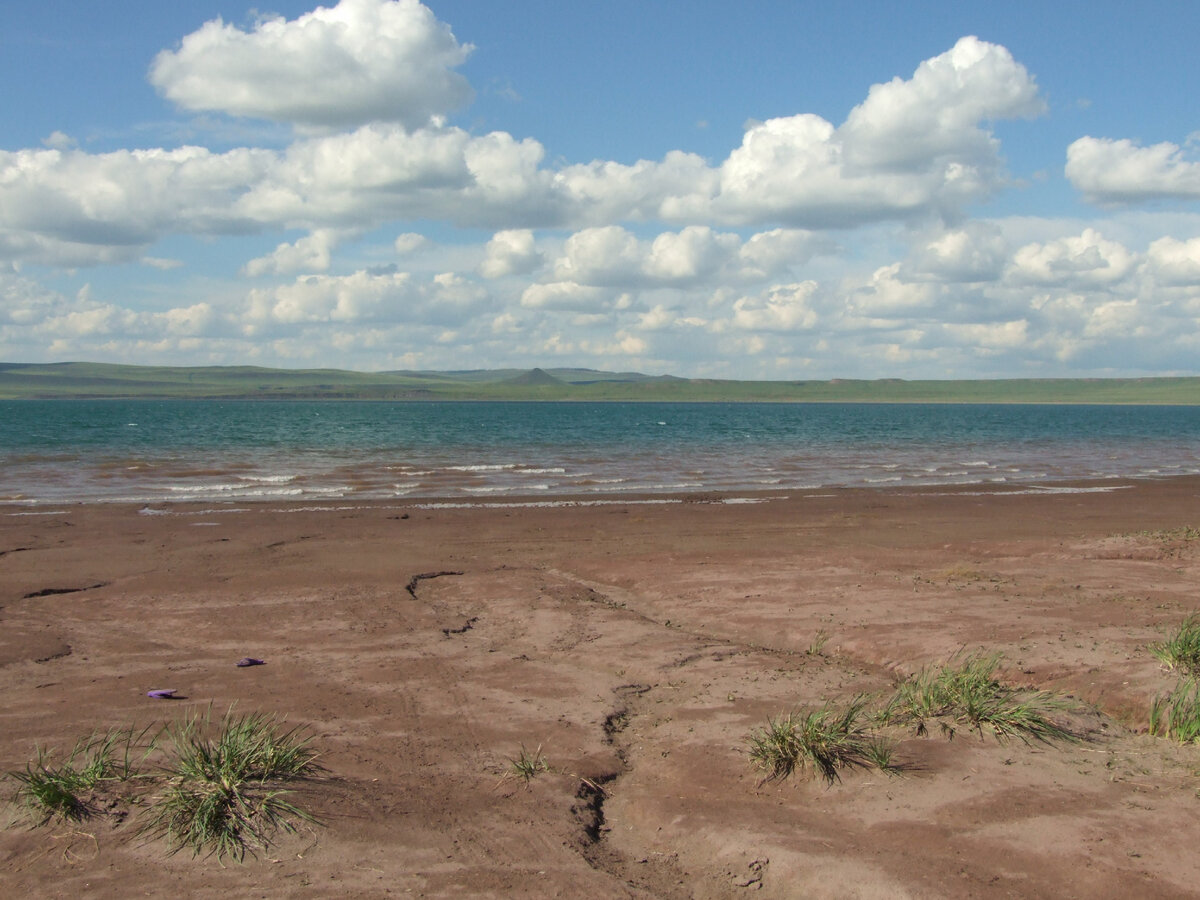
1064,487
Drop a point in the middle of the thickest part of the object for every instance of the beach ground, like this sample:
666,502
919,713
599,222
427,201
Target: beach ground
634,646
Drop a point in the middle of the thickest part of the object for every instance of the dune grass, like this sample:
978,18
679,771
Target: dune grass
1180,649
1176,714
822,741
48,790
223,793
965,692
527,765
217,787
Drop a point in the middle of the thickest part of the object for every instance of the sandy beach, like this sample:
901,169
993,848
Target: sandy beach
637,645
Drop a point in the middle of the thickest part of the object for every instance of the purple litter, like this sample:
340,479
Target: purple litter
162,694
250,661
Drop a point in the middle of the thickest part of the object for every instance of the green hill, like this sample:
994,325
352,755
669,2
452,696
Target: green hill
104,380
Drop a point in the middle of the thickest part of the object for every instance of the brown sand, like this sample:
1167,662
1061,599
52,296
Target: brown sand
637,645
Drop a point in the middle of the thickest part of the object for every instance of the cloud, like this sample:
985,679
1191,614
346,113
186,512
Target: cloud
564,295
25,302
1010,335
410,242
67,207
612,256
786,307
360,61
162,264
691,255
73,208
511,252
312,253
904,125
382,173
1084,260
769,252
975,252
59,141
195,320
889,296
361,297
1120,171
911,147
600,256
1175,263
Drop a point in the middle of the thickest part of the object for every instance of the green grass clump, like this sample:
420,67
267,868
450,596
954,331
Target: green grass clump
817,647
1176,714
527,765
223,793
1181,648
966,693
220,788
823,741
47,790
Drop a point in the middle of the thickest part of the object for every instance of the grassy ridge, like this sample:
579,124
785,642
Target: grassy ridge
102,380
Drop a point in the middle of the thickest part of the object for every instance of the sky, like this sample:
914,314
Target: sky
753,190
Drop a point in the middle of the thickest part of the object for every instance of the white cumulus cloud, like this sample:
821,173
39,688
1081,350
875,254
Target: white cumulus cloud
1082,260
785,307
1121,171
335,67
912,146
1175,262
311,253
362,297
975,252
510,252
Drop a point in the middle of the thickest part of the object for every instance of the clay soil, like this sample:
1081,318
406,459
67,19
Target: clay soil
637,645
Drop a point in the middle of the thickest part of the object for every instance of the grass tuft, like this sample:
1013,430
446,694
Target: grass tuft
222,795
1181,648
47,790
817,647
1176,714
823,741
526,765
965,692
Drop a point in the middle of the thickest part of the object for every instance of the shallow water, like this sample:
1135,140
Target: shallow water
164,451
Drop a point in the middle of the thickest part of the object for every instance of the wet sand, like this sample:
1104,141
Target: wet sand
637,645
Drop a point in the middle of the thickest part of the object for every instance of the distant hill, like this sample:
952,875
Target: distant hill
533,378
104,380
567,376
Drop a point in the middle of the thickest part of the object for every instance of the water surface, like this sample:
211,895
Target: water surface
153,451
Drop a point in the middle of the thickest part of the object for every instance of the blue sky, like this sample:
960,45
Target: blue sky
758,190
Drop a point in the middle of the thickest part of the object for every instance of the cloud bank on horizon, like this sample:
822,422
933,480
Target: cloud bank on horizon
363,221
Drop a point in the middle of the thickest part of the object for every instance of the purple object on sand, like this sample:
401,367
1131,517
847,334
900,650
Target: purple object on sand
250,661
162,694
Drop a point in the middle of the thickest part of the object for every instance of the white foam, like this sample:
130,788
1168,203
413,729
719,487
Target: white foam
1047,489
506,489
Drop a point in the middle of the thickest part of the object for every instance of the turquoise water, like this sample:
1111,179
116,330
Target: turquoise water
162,451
